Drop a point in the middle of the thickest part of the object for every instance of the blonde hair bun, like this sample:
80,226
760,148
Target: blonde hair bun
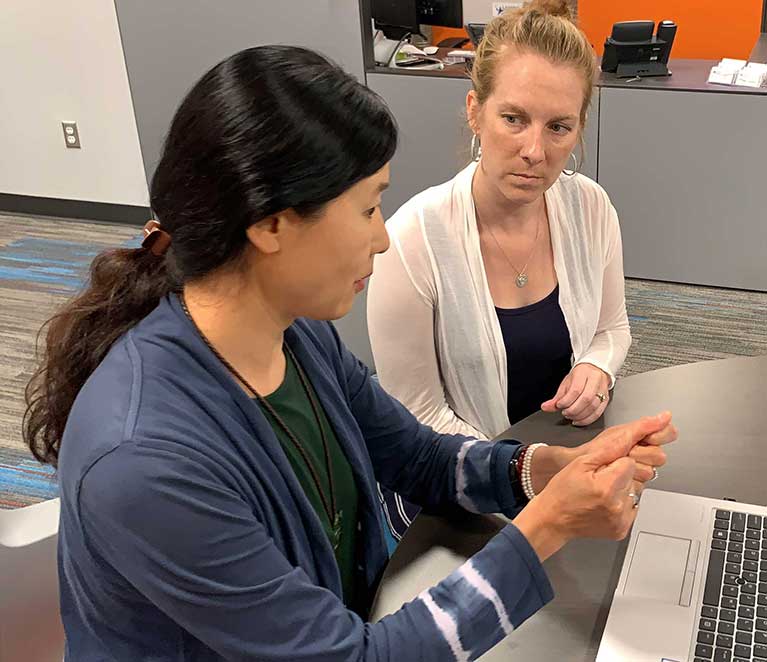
561,8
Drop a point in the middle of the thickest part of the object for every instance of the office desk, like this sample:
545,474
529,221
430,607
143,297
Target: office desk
720,408
686,75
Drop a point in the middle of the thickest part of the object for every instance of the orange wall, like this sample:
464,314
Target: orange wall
707,29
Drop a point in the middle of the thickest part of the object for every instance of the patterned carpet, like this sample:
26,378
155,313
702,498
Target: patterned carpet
44,261
673,324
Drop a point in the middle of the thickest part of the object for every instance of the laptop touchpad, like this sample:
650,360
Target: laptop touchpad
657,569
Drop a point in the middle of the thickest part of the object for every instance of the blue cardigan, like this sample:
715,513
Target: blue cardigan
185,534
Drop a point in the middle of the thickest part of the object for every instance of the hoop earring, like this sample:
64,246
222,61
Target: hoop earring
476,148
572,172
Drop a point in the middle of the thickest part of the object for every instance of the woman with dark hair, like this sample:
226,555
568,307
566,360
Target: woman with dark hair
218,447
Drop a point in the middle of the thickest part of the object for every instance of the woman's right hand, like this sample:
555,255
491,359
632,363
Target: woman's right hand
591,496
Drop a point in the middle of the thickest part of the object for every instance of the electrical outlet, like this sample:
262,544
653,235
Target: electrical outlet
500,7
71,135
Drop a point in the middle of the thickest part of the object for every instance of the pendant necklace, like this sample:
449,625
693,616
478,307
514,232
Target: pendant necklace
328,501
522,278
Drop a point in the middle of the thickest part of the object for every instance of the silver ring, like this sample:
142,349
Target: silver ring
635,498
602,397
654,475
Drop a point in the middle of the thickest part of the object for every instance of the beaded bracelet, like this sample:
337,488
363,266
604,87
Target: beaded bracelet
521,461
527,475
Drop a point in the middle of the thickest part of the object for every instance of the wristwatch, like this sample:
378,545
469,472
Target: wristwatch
514,476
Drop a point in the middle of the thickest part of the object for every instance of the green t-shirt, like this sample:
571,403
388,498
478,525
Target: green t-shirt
294,408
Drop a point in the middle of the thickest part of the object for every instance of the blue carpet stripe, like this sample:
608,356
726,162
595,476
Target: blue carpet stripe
60,266
29,479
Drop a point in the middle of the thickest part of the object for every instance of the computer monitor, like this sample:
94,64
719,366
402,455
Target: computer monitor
396,18
444,13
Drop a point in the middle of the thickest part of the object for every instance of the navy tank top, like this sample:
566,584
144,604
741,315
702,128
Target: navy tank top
538,353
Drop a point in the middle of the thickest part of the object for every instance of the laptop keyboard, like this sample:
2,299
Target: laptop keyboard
733,619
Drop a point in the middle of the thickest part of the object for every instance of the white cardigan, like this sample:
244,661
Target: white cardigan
434,332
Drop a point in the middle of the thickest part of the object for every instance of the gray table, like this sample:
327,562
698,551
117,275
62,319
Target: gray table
720,408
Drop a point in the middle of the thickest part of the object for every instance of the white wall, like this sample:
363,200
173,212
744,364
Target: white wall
481,11
62,60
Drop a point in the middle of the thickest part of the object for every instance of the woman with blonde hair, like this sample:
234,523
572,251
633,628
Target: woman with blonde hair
504,291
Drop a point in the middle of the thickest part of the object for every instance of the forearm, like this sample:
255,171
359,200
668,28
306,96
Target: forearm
473,608
540,530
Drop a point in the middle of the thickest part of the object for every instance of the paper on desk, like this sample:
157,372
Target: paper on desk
754,74
411,50
739,72
726,71
731,64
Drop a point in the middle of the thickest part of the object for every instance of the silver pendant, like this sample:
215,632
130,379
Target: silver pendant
521,280
336,537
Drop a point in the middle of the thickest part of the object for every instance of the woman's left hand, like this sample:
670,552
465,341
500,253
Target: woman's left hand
582,396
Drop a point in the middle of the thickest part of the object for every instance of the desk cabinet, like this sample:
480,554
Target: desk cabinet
687,172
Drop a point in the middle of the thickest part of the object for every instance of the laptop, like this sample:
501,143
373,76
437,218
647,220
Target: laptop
693,587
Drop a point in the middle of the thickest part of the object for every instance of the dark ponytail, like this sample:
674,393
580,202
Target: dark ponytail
125,285
268,129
